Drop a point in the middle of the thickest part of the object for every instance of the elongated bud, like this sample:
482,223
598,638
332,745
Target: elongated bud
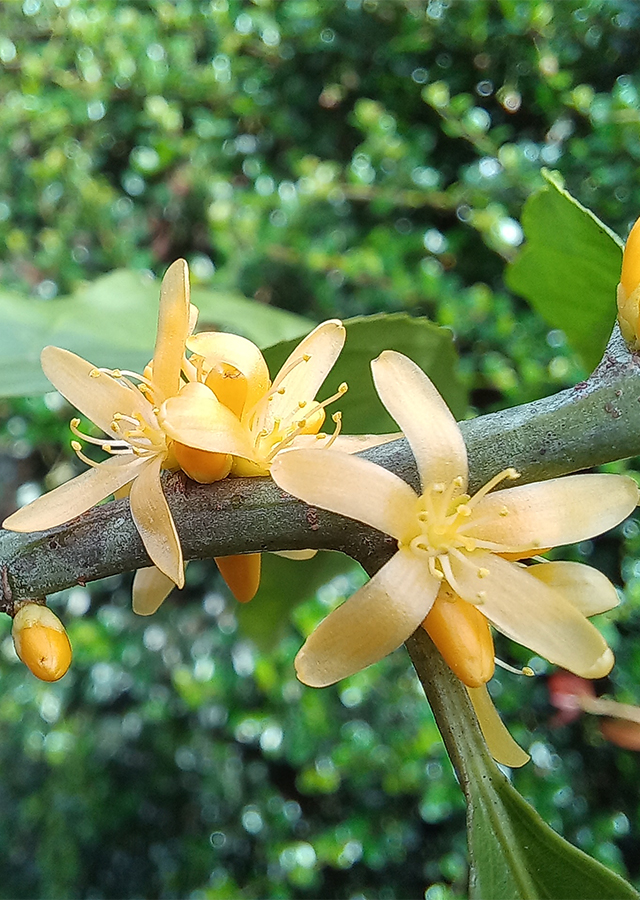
629,289
462,635
41,642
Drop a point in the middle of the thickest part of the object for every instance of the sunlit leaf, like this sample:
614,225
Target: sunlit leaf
568,268
112,322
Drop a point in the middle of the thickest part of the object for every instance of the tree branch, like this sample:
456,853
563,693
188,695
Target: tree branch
595,422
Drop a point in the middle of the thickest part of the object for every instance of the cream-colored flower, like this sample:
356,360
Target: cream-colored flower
273,414
629,289
453,543
125,406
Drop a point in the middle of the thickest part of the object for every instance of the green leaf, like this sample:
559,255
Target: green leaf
284,584
515,854
112,322
429,345
568,269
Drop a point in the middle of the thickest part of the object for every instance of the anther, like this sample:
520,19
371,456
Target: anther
95,373
504,512
513,474
481,596
482,572
281,391
74,423
306,357
525,670
116,373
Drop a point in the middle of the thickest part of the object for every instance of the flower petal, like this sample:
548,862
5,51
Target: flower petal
348,485
500,744
370,624
295,554
424,417
217,347
151,587
75,496
584,587
96,394
304,371
152,518
528,611
555,512
173,328
196,417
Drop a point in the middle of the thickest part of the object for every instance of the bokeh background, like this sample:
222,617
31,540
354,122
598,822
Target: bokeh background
329,159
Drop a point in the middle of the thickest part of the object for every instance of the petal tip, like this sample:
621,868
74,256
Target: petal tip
601,667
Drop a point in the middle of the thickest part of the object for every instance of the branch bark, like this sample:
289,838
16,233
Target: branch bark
595,422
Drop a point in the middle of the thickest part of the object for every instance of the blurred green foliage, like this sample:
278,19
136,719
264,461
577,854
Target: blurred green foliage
340,158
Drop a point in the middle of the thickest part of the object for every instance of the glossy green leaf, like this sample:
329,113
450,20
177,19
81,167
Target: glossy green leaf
112,322
429,345
517,856
284,584
568,269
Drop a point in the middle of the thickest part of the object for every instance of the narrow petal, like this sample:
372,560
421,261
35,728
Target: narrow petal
151,587
555,512
305,370
152,518
295,554
376,620
348,485
584,587
500,744
424,417
217,347
173,329
196,417
532,613
96,394
75,496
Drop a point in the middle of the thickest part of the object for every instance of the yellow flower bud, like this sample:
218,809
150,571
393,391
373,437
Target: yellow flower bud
41,642
629,289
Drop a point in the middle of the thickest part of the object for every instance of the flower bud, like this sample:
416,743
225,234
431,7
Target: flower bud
41,641
629,289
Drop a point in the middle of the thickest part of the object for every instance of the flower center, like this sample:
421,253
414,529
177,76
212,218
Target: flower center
442,521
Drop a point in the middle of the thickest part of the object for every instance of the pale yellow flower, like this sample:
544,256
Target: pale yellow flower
125,406
451,542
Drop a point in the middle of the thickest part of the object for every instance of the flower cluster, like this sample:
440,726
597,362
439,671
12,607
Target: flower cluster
206,404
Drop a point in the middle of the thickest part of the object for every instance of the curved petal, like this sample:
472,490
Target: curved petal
528,611
295,554
196,417
350,486
173,328
96,394
218,347
555,512
152,518
151,587
370,624
305,370
500,744
584,587
424,417
76,496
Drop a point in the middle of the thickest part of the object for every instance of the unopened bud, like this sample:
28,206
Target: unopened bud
41,642
629,289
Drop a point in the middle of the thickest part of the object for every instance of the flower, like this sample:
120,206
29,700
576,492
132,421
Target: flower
452,549
41,641
629,289
271,416
125,406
